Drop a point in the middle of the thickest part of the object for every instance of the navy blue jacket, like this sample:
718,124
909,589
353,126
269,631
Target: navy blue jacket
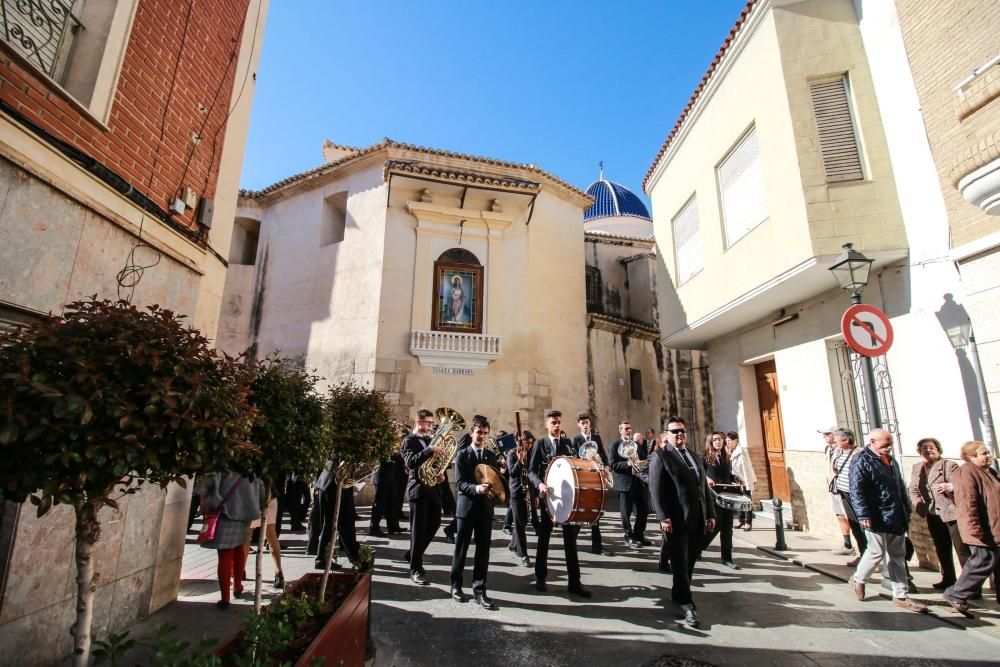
879,494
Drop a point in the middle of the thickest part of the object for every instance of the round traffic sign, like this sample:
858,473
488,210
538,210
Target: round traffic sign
866,330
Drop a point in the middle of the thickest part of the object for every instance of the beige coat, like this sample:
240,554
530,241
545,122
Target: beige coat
942,470
742,468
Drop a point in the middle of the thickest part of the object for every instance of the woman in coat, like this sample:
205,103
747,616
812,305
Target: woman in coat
238,502
932,496
743,472
719,471
977,505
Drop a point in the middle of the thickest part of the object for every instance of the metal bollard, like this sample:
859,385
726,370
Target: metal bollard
779,526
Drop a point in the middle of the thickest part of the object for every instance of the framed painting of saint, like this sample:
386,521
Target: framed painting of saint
458,297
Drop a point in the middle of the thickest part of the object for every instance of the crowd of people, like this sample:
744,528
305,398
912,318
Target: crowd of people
959,503
651,473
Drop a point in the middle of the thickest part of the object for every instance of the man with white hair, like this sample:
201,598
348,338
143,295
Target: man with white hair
882,505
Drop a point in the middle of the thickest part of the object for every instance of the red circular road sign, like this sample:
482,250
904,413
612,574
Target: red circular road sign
866,330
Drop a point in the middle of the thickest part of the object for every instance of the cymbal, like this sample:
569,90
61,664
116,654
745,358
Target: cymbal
488,474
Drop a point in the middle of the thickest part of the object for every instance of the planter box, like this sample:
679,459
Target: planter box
342,641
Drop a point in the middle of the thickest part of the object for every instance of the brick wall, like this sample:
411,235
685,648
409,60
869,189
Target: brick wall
945,40
201,65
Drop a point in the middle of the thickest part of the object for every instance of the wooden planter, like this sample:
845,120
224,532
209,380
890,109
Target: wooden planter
342,641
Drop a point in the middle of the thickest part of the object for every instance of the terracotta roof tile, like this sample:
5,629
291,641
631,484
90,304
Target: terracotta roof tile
706,77
461,176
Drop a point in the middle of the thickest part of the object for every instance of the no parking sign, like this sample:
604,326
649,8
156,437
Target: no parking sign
866,330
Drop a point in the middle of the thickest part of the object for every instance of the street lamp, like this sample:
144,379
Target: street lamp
851,270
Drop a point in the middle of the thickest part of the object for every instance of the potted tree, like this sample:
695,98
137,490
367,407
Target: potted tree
104,399
289,432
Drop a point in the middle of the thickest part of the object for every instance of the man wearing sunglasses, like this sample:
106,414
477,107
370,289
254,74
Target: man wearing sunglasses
684,509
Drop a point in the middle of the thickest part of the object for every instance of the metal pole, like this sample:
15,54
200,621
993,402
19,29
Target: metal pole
779,526
984,402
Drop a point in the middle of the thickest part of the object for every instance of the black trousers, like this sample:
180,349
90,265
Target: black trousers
519,509
683,550
425,519
384,506
477,526
634,498
852,520
746,518
942,546
723,526
297,502
321,523
508,518
545,527
984,562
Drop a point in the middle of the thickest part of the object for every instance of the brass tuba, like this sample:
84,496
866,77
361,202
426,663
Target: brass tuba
588,452
450,423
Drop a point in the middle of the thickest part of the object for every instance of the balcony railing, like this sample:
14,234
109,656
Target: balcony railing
455,350
40,30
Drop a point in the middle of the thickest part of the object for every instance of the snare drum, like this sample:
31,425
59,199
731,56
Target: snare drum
735,502
576,491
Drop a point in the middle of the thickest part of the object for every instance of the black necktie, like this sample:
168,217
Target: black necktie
689,461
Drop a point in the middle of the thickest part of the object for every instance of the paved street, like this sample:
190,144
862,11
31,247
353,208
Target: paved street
773,611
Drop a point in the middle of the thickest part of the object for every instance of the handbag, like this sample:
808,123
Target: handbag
207,533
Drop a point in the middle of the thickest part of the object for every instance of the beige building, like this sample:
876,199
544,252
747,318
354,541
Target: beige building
953,54
780,157
90,165
447,279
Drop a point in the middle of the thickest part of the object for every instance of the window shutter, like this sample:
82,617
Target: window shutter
741,184
838,139
687,241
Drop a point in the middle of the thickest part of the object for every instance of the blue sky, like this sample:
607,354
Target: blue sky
559,84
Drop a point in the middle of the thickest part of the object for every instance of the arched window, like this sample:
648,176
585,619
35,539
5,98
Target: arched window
458,292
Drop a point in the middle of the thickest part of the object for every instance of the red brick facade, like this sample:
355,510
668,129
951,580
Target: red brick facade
192,44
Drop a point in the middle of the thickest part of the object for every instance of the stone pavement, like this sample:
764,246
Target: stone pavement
771,612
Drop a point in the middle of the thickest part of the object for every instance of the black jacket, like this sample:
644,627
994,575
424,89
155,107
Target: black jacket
514,473
677,493
579,439
623,469
469,499
543,451
721,472
415,452
878,493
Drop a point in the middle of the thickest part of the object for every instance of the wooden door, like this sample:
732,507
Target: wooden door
770,423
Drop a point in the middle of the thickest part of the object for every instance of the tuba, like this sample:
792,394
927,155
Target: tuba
450,423
630,450
588,452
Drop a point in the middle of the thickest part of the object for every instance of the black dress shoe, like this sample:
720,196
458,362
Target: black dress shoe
540,586
457,595
222,604
485,602
395,530
375,531
644,542
731,565
279,580
510,547
941,585
580,591
690,617
419,578
525,561
449,535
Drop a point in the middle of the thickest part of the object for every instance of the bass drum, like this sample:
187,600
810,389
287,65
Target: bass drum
576,491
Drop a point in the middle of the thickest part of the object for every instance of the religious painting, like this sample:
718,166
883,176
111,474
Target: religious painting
458,290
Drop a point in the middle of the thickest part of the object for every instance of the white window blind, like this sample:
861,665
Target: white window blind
838,139
687,241
741,183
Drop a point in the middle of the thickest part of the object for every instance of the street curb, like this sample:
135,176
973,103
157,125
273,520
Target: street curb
820,570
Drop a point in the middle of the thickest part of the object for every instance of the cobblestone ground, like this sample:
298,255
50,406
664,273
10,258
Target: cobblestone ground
771,612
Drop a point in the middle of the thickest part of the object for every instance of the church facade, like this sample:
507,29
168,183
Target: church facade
446,279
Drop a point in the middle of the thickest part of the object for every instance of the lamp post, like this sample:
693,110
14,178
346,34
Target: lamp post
851,270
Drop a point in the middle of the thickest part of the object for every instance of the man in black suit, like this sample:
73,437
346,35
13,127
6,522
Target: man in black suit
425,501
474,514
542,452
631,489
583,421
386,479
684,508
447,497
520,501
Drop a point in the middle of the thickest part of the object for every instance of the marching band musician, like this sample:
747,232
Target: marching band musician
425,501
517,468
718,470
631,490
474,514
447,497
543,451
684,508
584,422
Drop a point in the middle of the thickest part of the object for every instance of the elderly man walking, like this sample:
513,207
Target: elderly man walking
882,505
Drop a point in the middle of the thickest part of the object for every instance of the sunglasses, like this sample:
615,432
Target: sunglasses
677,431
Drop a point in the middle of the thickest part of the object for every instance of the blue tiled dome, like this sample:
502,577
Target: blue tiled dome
612,199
